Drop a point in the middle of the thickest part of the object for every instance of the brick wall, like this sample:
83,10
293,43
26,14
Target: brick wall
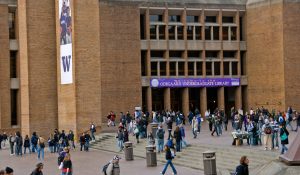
5,114
42,65
265,63
120,58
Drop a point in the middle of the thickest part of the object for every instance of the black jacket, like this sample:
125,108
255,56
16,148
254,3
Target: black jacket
169,155
242,170
282,130
36,172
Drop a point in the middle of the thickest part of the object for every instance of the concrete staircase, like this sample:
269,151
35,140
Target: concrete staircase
227,157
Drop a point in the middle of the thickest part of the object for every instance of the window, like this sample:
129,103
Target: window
153,32
226,68
153,68
156,18
216,32
208,32
142,27
174,18
191,69
162,69
227,19
234,67
217,68
208,68
243,63
210,19
189,31
192,19
13,64
11,24
181,68
144,63
175,54
157,54
172,68
180,32
211,54
199,69
229,54
194,54
171,32
233,33
242,35
198,33
225,33
14,104
162,32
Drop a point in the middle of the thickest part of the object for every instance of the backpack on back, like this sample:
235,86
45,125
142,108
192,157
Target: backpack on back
268,130
160,134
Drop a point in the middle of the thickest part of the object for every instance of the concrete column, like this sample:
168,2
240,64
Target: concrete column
203,101
221,98
23,58
185,101
238,97
167,99
149,99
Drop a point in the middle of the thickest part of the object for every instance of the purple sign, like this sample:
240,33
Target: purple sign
193,82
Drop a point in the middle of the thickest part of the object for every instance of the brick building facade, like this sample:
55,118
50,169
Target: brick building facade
121,46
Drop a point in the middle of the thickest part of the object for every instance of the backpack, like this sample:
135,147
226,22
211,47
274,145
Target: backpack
268,130
160,134
42,145
60,158
104,168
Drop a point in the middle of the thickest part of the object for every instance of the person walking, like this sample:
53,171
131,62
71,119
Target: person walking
38,169
177,136
82,141
19,144
267,130
87,138
93,130
34,142
183,143
194,127
11,143
242,169
169,158
284,137
66,165
114,167
41,147
51,143
71,139
169,126
120,139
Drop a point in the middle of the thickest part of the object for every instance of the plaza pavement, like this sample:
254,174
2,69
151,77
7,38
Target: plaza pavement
90,163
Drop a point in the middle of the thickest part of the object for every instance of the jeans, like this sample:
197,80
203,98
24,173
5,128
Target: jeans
120,145
170,132
34,148
283,148
199,127
160,145
275,139
183,143
41,153
288,123
81,146
169,162
51,149
18,150
11,148
86,146
93,135
194,132
28,149
219,129
178,146
250,138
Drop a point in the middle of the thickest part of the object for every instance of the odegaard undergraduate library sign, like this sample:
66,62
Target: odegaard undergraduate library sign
193,82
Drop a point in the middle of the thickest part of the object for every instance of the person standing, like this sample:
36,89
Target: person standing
38,169
34,142
82,141
87,138
169,158
41,147
19,144
11,143
4,136
177,136
27,144
71,139
160,134
169,126
242,169
120,139
93,130
267,129
183,143
284,137
194,127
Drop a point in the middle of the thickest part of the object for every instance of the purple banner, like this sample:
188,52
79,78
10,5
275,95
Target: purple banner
193,82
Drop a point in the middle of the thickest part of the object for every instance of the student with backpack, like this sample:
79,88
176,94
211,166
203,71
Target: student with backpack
284,137
169,158
160,134
113,167
27,144
242,169
267,130
66,165
41,148
34,142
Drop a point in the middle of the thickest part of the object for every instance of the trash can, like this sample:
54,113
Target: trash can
154,127
128,150
209,162
151,155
